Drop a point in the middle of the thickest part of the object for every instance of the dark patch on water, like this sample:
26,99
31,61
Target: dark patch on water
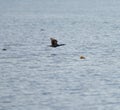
42,29
4,49
53,54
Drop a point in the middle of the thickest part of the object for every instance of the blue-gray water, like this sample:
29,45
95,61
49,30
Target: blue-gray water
34,76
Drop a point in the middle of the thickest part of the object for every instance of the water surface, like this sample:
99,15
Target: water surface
35,76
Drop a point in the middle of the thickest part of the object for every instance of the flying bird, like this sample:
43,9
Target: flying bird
54,43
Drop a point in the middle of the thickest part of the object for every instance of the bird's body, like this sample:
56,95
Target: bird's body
53,42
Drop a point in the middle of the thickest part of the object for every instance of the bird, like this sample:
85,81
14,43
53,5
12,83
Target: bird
54,43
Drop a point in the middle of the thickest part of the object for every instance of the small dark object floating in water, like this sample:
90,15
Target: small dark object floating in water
42,30
4,49
54,43
82,57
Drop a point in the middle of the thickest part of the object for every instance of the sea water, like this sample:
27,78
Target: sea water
35,76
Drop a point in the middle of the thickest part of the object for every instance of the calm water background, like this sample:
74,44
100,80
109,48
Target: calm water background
34,76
